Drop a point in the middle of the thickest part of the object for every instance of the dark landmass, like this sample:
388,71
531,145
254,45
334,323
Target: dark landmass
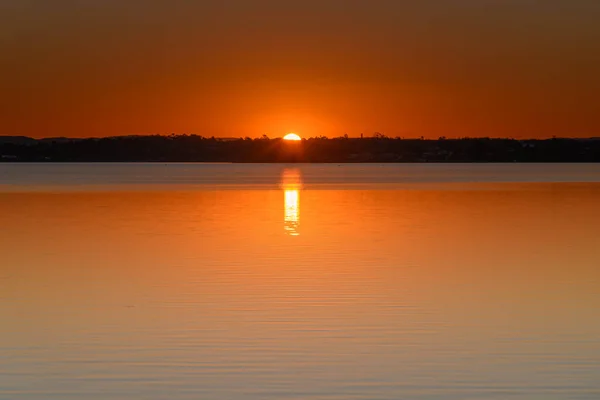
193,148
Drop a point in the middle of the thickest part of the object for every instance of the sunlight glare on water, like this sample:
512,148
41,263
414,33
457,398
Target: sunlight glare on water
291,183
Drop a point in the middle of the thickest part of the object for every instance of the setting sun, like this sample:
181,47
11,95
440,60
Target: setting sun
292,136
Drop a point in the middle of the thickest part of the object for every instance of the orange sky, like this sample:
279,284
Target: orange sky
517,68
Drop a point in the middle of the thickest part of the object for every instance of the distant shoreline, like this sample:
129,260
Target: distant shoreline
379,149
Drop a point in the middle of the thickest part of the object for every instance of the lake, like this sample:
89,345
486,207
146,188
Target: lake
233,281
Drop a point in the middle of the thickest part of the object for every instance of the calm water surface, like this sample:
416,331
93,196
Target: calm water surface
183,281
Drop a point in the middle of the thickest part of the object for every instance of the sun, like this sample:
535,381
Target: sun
292,136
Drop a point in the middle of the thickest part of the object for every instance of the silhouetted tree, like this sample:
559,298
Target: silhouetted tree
319,149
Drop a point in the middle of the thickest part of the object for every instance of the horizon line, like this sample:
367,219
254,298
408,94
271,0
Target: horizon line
231,138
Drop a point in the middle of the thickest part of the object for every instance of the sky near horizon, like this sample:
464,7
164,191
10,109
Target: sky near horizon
232,68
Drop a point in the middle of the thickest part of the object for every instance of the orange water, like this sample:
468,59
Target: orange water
290,292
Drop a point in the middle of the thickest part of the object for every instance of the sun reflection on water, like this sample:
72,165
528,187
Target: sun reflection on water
291,183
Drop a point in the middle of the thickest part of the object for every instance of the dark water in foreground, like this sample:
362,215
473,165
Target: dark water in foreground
299,282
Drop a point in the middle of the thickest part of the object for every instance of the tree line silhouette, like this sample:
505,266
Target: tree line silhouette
379,148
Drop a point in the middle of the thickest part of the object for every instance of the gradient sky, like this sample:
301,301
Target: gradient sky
516,68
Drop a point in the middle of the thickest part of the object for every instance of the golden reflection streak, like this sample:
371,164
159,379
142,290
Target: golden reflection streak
291,183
